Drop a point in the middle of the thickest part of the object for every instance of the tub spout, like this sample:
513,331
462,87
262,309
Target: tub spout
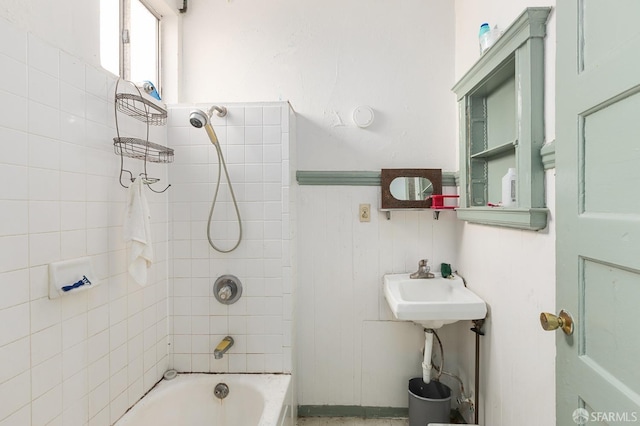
222,348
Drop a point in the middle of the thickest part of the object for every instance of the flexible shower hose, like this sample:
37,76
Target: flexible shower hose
223,165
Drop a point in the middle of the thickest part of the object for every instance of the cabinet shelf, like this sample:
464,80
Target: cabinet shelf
496,151
521,218
508,77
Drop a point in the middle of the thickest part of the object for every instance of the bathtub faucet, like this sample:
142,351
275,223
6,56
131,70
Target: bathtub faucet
222,348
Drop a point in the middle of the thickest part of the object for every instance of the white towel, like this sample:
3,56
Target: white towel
137,230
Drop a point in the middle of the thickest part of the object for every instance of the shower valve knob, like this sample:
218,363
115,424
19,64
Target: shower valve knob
225,292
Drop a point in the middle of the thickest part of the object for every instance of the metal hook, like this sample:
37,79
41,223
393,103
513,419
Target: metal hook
150,181
122,170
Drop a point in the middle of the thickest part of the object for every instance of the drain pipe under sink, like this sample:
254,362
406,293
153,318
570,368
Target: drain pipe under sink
426,362
477,329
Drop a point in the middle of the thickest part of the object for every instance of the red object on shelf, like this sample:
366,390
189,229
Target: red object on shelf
437,201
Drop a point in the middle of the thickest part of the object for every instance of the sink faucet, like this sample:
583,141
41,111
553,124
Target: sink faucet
423,271
222,348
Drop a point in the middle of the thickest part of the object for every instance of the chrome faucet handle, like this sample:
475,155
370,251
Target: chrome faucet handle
225,292
423,270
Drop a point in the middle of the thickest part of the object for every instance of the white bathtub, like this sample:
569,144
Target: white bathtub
188,400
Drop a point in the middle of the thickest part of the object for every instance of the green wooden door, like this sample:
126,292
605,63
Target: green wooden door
598,210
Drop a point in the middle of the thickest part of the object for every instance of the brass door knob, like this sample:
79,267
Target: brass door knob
564,321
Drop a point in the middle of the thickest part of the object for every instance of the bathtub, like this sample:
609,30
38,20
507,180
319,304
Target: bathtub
188,400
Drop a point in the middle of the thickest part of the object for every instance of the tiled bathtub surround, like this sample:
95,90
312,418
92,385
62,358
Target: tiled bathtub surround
83,358
256,140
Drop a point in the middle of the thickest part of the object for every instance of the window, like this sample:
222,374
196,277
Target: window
130,40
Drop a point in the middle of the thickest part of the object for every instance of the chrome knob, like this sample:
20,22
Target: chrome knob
225,293
563,320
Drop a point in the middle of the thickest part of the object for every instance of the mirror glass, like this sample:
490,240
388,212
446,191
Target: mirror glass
409,188
406,188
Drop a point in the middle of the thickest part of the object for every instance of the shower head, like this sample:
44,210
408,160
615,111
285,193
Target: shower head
198,118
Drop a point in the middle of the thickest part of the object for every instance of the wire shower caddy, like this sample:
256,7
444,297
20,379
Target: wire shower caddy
146,111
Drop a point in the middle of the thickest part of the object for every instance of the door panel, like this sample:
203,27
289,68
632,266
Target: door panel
598,209
606,28
607,338
610,157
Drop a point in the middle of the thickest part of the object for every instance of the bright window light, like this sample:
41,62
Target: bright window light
109,35
130,47
143,47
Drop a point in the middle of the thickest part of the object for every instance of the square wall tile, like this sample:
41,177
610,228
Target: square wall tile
14,359
253,116
44,248
42,56
15,393
14,252
235,116
44,152
13,111
44,88
13,41
44,120
44,216
14,288
14,76
72,70
15,147
47,407
72,99
14,218
96,82
271,115
46,376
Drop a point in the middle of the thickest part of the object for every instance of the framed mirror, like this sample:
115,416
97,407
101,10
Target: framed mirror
409,188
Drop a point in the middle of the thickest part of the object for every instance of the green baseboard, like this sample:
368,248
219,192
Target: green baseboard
351,411
363,412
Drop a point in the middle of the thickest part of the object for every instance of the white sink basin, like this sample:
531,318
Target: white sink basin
432,302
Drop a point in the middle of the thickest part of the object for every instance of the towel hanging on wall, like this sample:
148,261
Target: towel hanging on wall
137,230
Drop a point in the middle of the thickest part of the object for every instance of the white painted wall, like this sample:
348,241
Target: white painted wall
512,270
326,58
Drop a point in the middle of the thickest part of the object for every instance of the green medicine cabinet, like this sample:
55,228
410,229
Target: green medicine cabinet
501,107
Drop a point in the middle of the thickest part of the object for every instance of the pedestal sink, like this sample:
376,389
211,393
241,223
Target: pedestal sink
432,302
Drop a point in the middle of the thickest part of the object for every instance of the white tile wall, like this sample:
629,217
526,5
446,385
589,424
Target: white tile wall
262,262
84,358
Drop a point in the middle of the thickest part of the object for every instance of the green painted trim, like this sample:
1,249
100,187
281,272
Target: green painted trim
531,23
354,178
351,411
530,219
449,178
519,52
548,154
